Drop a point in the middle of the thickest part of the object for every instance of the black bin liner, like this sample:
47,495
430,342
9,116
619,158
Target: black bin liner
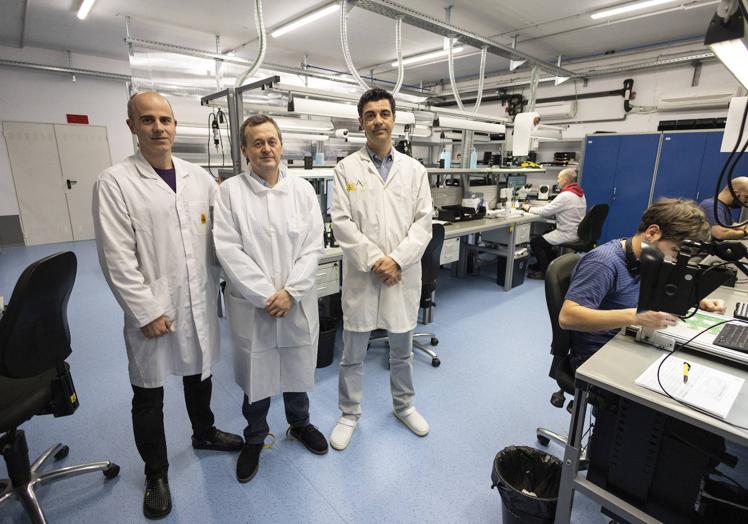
519,468
328,328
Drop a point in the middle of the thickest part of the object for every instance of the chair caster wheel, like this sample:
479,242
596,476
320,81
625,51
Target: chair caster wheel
64,450
436,362
434,341
112,471
544,441
558,399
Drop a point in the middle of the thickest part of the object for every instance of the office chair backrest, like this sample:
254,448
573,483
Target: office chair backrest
557,279
591,226
431,258
34,332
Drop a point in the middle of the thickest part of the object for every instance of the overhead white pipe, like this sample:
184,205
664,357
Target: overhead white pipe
346,49
260,26
399,51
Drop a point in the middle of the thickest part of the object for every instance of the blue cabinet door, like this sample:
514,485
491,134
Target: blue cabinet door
679,169
599,170
637,156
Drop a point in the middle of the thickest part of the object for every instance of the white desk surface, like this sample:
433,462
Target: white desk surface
617,365
485,224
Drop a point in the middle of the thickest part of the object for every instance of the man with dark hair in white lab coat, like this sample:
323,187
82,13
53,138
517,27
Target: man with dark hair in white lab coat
152,220
382,217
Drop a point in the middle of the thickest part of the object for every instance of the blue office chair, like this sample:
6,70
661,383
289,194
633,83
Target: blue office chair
35,379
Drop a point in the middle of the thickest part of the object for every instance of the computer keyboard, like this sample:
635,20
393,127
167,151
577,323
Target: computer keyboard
733,336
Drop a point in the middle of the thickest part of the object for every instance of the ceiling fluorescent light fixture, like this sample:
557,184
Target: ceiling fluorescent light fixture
85,8
634,6
428,56
305,19
727,40
470,125
298,124
304,136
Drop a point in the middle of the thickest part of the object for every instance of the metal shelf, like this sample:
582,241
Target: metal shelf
481,171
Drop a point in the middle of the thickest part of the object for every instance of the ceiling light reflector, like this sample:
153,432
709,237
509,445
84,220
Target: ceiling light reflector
304,20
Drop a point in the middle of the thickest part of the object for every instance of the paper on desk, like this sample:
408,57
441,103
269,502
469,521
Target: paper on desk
707,388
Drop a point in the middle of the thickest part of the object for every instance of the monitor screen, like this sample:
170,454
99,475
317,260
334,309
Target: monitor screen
516,181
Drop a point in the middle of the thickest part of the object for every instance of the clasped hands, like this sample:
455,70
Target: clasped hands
279,304
387,270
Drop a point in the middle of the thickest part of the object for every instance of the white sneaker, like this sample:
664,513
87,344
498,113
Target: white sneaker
415,422
342,433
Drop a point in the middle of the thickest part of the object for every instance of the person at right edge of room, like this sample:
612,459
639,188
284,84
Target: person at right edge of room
569,208
152,221
604,288
726,202
381,213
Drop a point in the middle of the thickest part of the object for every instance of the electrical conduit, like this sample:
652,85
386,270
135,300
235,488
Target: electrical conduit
260,26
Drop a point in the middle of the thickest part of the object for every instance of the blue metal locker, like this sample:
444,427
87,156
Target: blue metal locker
599,170
637,156
679,168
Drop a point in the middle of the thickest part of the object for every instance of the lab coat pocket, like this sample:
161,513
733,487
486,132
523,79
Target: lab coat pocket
200,217
162,293
252,329
295,329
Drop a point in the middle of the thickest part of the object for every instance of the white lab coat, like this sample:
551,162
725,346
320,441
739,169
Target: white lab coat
156,254
372,218
269,239
569,210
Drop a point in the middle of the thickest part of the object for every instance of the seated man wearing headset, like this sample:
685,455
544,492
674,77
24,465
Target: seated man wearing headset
604,288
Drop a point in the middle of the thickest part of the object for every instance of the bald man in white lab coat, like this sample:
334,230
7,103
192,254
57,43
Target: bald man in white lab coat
152,221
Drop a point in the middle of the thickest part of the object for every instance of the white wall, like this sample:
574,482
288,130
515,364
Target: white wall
39,96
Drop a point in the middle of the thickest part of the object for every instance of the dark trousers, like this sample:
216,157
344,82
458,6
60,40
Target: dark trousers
256,413
543,252
148,420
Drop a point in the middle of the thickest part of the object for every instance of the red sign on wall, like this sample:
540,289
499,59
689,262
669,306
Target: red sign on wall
77,119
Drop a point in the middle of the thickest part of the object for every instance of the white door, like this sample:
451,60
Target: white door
84,153
37,175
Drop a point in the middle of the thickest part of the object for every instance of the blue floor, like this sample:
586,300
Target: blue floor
492,390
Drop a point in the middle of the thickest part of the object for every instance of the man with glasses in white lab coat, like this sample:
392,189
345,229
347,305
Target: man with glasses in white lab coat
152,217
382,218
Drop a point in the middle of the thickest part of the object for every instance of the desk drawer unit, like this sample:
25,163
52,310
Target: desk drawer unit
450,251
328,279
503,236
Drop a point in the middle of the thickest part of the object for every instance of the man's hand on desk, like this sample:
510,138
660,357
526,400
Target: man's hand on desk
387,270
654,319
712,305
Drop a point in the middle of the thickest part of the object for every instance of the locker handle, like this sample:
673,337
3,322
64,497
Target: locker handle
70,183
614,191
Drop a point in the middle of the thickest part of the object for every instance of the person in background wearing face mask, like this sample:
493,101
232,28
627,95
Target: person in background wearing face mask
268,237
152,221
604,288
569,208
725,203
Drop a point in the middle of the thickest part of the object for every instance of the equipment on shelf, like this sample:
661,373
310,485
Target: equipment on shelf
461,214
544,191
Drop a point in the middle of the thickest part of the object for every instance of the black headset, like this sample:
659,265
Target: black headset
632,263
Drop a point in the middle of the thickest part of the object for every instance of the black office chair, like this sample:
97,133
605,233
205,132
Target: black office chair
34,377
588,230
430,264
557,280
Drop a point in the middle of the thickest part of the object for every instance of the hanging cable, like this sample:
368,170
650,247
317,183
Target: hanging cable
483,52
346,50
452,82
399,52
262,33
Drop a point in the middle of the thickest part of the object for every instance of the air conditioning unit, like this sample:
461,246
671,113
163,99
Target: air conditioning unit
686,101
556,110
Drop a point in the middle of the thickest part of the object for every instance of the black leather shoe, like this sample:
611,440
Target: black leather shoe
310,436
157,498
219,441
248,462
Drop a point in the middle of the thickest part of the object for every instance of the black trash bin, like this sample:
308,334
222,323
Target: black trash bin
527,480
328,328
